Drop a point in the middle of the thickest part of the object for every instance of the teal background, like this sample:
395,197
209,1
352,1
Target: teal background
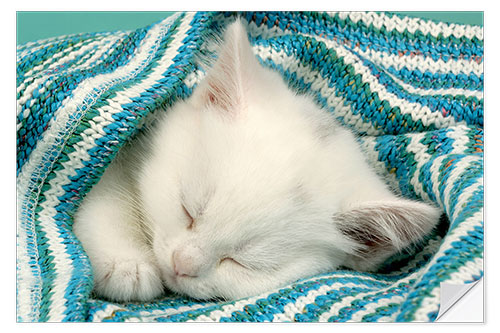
475,18
32,26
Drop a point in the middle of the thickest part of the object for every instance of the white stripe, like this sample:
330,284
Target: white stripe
467,271
465,196
102,50
413,25
460,141
422,63
416,110
46,80
194,78
372,307
146,316
335,308
55,57
432,92
228,309
291,309
384,59
459,169
106,312
33,46
339,105
105,47
435,173
54,60
47,77
460,138
421,157
28,282
61,58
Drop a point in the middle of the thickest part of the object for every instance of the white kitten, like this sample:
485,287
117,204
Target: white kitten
243,187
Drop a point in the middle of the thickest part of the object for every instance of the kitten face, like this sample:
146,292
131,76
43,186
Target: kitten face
230,200
245,179
228,187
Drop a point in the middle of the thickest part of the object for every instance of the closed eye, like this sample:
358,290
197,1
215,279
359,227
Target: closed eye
189,217
231,261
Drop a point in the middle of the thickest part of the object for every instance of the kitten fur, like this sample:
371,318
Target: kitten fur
243,187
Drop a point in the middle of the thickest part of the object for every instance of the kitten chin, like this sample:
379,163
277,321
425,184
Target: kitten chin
246,186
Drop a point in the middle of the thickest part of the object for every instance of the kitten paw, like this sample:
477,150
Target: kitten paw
128,280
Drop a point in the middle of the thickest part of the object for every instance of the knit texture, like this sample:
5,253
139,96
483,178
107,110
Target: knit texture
411,88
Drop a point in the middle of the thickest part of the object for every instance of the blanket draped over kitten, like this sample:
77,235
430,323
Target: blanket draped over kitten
243,187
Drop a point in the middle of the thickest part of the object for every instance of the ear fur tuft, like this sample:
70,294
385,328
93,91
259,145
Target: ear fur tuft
227,83
380,229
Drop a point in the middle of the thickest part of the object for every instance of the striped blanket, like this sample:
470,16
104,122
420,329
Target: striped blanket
411,88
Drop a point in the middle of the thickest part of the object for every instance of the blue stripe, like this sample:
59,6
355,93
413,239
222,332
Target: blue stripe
438,144
381,312
375,39
273,303
451,160
350,88
473,205
469,109
392,151
40,56
59,89
471,175
428,80
345,314
324,303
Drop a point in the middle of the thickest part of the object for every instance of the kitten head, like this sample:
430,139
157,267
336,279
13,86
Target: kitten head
238,190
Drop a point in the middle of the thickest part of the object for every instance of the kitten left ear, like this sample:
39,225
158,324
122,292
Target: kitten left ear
227,83
380,229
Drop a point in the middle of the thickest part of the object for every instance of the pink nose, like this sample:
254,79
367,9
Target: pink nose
187,261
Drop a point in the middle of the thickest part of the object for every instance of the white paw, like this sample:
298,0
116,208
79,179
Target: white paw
127,280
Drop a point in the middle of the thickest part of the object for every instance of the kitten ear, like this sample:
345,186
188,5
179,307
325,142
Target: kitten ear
380,229
227,82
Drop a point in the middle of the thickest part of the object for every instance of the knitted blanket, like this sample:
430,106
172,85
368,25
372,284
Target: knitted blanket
411,88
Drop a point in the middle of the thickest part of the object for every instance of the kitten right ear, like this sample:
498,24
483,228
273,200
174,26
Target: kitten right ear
227,83
380,229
